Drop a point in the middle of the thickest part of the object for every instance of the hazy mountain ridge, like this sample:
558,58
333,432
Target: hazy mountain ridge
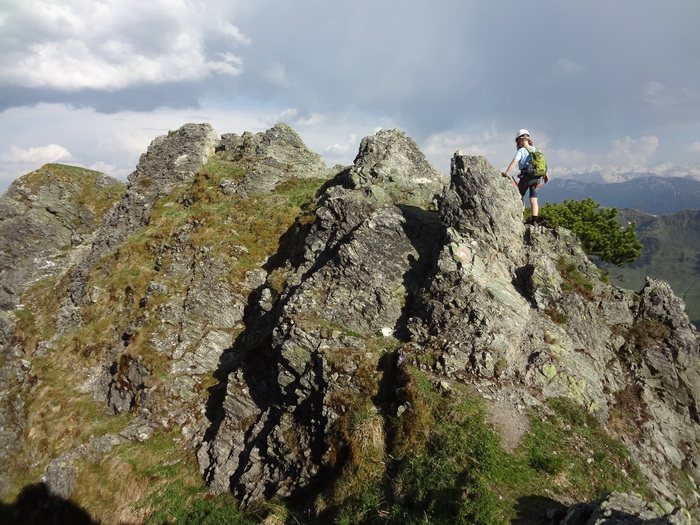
611,174
654,195
373,343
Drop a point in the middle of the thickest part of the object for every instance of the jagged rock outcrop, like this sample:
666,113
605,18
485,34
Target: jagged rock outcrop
484,292
197,316
527,324
170,161
55,218
44,217
48,220
269,158
621,509
389,162
392,264
470,283
362,255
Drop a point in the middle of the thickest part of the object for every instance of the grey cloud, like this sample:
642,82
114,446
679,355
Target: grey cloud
457,62
579,72
138,98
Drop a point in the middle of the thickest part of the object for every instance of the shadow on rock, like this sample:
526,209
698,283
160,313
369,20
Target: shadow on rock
536,510
36,505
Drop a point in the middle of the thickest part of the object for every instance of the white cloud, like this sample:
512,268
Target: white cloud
36,155
15,160
276,73
229,64
110,169
315,119
630,152
695,147
228,29
113,44
285,116
338,149
244,63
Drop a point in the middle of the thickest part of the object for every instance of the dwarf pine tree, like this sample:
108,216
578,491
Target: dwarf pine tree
600,233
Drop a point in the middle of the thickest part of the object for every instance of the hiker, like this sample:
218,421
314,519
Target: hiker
527,181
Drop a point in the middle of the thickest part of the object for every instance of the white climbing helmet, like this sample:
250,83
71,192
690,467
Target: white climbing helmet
520,133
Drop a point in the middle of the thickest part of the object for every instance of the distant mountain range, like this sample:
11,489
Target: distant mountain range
666,209
652,194
609,174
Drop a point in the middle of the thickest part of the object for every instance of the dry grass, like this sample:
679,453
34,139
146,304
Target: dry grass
121,488
629,413
59,418
365,465
36,317
368,437
111,492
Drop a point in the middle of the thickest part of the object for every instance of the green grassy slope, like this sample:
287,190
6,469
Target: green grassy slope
671,252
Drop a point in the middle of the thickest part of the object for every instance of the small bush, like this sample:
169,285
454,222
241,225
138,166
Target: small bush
646,332
600,234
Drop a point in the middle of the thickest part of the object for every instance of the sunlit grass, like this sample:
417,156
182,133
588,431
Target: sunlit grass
441,462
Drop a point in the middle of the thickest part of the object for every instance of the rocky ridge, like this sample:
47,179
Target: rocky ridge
396,268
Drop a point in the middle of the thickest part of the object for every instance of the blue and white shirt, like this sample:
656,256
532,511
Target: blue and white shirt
523,156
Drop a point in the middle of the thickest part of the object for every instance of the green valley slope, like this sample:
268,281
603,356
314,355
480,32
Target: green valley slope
671,252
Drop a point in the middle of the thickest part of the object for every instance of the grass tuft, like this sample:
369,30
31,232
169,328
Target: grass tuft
574,280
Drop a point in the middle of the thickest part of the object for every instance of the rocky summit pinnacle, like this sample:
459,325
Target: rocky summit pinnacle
319,335
391,162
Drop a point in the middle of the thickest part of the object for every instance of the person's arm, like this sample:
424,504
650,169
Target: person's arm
510,167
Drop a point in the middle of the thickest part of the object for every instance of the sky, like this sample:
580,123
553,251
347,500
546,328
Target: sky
598,83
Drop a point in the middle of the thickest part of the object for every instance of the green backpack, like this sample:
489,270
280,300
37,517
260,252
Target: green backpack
537,165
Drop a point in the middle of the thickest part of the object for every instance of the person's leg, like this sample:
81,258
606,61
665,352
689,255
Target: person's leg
534,206
522,188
